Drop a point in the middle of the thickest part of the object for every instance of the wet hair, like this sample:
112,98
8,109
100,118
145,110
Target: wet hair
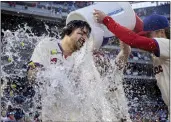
72,25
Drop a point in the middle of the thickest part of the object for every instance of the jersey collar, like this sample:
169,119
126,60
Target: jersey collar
65,56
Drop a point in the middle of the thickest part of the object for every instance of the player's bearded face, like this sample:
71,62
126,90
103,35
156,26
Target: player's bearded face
80,35
80,42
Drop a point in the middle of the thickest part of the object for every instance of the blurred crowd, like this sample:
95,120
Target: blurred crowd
58,7
162,9
17,100
139,70
55,7
135,55
145,102
150,113
63,6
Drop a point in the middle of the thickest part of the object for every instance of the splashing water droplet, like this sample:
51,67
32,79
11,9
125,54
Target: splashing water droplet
71,91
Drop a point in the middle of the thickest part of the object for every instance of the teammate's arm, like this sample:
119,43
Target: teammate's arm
129,37
126,35
123,55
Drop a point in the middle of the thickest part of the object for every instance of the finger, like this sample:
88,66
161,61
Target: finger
97,20
96,15
96,10
99,12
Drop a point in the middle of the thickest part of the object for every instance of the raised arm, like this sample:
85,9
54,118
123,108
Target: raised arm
123,55
126,35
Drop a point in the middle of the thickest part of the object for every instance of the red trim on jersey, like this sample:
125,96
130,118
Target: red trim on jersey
129,37
65,56
54,60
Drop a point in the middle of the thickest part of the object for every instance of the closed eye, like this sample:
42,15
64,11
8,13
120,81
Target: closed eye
86,33
80,33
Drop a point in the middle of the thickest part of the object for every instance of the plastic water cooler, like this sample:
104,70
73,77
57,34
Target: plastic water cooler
121,12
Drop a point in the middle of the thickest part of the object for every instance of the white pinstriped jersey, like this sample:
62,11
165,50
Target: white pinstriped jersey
47,52
161,68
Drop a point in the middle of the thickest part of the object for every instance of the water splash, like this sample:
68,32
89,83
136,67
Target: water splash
72,91
75,90
16,51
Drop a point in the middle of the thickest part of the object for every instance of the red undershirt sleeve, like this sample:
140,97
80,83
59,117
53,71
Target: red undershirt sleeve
131,38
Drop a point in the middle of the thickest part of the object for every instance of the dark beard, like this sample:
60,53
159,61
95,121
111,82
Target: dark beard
79,44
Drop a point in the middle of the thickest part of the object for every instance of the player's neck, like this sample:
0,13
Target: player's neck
68,49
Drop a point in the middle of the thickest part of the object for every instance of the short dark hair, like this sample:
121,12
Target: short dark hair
72,25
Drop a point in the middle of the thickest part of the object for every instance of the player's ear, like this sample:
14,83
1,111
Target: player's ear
66,31
167,32
162,32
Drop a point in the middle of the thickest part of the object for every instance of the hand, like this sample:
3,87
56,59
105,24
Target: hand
99,15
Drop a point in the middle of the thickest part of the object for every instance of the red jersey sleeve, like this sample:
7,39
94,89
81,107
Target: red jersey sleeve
131,38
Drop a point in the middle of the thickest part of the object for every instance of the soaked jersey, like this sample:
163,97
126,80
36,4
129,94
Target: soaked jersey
49,52
115,94
161,68
46,53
